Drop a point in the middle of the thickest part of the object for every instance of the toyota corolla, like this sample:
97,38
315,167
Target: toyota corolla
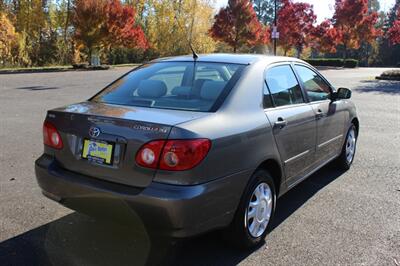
195,144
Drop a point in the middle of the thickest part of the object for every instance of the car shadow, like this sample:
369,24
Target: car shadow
215,251
37,88
77,239
379,86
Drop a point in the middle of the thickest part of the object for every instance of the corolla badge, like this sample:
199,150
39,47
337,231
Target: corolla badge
94,132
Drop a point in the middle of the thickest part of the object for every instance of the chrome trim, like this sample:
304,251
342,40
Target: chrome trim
319,101
288,106
329,141
297,156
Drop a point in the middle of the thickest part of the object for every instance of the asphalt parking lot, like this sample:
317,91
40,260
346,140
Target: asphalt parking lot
333,218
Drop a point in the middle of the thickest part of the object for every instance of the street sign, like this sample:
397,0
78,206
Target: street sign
275,35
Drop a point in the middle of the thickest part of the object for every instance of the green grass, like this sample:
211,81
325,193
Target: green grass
50,68
16,69
127,65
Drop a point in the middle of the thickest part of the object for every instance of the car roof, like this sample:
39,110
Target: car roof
245,59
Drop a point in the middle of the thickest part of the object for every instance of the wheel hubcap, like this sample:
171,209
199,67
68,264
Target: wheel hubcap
259,210
350,146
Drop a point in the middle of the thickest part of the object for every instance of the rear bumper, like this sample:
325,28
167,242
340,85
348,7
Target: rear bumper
177,211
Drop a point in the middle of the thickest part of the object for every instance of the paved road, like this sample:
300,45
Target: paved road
333,218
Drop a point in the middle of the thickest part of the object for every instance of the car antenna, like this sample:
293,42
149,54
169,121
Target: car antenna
194,54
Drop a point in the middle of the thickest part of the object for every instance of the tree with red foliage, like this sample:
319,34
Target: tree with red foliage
295,25
325,37
354,23
264,36
105,24
393,33
121,27
237,25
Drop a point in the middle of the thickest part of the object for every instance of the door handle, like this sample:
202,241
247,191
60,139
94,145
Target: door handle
280,123
319,114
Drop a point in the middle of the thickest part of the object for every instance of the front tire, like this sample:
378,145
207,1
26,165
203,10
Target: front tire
255,211
346,157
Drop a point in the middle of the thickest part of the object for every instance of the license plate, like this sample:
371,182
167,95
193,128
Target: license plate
98,151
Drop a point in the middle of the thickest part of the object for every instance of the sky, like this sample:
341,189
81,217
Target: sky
323,8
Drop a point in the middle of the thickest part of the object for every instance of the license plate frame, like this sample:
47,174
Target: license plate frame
106,159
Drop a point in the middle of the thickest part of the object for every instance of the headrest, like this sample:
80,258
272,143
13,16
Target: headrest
198,83
181,91
152,88
212,89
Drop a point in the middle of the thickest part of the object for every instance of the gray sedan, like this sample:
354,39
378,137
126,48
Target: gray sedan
195,144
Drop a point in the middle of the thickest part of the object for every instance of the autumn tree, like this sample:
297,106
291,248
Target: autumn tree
325,37
295,25
31,21
169,25
105,24
389,54
39,26
61,14
121,27
141,6
48,31
90,24
238,26
8,38
2,5
354,23
393,33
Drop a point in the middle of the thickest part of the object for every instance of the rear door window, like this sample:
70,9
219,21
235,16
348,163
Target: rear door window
282,85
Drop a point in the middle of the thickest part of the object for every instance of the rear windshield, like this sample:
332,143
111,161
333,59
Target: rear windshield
190,86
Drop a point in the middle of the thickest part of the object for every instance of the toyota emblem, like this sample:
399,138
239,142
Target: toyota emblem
94,132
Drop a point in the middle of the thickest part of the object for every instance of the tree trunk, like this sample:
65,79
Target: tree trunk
236,40
67,21
90,56
299,50
66,44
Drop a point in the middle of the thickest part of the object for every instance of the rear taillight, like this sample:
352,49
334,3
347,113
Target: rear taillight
51,137
183,154
149,154
173,155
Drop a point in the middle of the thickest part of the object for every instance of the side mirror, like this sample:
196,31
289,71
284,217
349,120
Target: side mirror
342,93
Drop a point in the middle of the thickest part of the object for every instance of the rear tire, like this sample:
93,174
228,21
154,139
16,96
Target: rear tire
255,212
346,157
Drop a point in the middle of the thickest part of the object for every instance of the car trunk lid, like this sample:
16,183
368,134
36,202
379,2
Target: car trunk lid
122,131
